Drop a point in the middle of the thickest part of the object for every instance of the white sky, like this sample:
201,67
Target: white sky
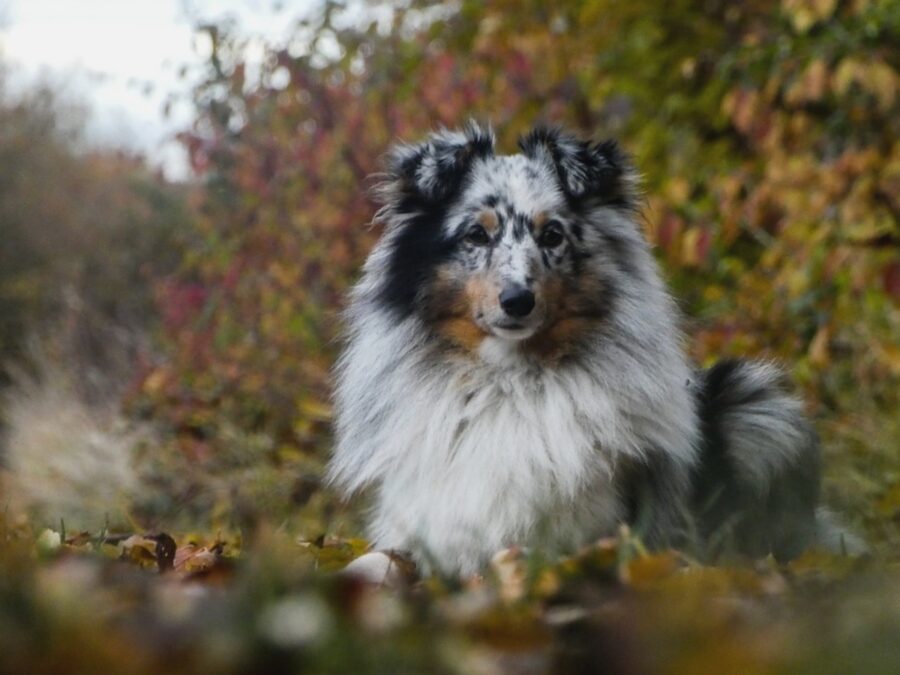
122,58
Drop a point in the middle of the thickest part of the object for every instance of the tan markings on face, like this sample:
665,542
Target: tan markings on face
488,220
560,340
569,319
453,305
482,293
463,333
444,298
539,220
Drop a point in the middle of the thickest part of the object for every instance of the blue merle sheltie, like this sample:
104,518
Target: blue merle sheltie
514,372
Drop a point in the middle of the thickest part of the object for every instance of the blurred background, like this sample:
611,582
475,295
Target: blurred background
183,205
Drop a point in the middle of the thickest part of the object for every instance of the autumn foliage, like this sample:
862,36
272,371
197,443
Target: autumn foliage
766,133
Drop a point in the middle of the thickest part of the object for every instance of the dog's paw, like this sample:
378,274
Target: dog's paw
382,568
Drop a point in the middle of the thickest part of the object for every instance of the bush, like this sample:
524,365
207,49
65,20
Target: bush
765,131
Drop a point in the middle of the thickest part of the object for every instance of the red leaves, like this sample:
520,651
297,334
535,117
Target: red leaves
180,302
161,552
890,279
767,142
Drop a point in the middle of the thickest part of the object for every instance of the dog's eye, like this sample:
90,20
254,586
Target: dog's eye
478,235
551,235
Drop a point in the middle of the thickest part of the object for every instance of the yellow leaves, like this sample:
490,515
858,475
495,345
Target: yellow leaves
663,612
719,581
804,14
823,565
547,583
889,355
314,409
157,382
192,558
158,552
687,246
647,571
889,505
622,560
866,228
688,67
743,107
695,246
677,190
489,25
312,416
331,554
514,630
872,76
818,351
811,86
285,273
889,181
139,550
815,81
863,218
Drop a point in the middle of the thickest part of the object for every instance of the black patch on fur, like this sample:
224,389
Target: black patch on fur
435,170
743,517
588,172
623,253
417,250
578,231
521,226
604,304
545,258
653,490
420,185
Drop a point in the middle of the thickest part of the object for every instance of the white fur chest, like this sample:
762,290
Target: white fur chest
499,454
468,456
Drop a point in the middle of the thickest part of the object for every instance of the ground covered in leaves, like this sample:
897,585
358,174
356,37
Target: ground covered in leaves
156,603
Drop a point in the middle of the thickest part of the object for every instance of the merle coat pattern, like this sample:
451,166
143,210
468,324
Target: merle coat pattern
514,373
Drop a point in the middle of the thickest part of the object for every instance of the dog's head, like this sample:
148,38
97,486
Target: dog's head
521,247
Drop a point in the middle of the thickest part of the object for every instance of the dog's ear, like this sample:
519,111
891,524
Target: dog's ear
599,172
430,172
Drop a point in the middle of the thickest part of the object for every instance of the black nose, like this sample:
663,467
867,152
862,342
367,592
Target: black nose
517,301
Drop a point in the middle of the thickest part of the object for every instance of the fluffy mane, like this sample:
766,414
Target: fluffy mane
472,441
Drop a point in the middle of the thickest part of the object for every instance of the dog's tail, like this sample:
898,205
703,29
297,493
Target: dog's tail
756,489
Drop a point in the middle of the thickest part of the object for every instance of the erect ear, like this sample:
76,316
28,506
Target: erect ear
433,170
587,170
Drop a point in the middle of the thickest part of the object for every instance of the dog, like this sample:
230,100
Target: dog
514,373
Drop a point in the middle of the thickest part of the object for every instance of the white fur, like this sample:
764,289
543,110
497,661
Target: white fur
467,454
468,457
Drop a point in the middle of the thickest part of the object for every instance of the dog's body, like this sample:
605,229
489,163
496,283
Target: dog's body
514,373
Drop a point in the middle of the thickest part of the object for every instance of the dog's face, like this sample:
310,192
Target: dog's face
516,251
503,246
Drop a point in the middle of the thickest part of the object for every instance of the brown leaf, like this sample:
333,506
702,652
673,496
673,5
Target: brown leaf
192,558
140,550
647,571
